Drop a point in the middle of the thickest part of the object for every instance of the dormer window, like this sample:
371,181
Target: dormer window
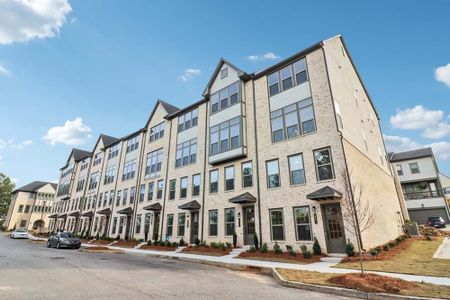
224,73
226,97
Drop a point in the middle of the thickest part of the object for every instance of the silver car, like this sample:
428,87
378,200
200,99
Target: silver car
20,233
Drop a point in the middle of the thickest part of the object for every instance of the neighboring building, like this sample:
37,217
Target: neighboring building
445,181
262,154
421,184
30,206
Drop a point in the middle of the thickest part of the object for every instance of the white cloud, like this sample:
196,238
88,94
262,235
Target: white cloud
263,57
24,20
71,133
4,71
442,74
437,132
12,144
417,117
397,144
189,74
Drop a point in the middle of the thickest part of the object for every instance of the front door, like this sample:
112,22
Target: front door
249,225
334,229
156,226
194,227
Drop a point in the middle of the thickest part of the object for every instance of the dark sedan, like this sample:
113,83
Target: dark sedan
64,240
437,222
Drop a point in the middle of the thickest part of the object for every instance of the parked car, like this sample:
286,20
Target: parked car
437,222
20,233
64,240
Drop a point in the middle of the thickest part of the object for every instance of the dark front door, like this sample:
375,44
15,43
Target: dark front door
194,227
334,229
156,226
249,225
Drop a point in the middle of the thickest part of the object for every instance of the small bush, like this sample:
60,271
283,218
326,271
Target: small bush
428,237
288,248
140,240
174,244
399,240
255,241
350,248
252,249
149,242
292,252
203,244
234,240
167,244
197,241
221,246
264,248
228,245
379,249
277,248
386,247
214,245
181,243
392,244
373,252
317,250
305,252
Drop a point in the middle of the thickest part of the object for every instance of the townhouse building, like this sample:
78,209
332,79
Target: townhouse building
276,154
30,206
421,184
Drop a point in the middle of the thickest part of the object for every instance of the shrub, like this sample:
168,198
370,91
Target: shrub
428,237
181,243
234,240
174,244
139,240
264,248
255,241
305,252
292,252
252,249
203,244
228,245
197,241
317,250
167,244
288,247
379,249
399,240
392,244
149,242
373,252
214,245
350,248
277,248
386,247
222,246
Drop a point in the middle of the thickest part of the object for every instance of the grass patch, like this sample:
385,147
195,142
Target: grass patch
417,259
370,283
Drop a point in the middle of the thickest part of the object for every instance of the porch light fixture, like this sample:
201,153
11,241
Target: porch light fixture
314,214
239,219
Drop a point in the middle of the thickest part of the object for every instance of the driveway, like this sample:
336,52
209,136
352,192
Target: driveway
29,270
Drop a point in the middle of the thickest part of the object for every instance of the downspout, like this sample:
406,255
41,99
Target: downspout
204,171
161,223
115,188
138,186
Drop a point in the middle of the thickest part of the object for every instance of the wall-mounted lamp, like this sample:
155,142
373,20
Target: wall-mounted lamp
239,219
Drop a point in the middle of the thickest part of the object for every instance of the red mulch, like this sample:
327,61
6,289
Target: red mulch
206,251
384,255
372,283
157,248
97,248
84,241
270,255
100,242
125,244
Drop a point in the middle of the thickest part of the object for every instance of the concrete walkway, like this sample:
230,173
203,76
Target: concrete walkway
443,252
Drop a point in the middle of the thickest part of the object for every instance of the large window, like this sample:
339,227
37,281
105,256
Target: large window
276,224
186,153
296,170
229,178
172,189
273,173
183,187
121,223
132,194
302,223
169,225
399,170
80,184
113,151
138,223
119,196
213,222
125,196
159,189
196,185
287,77
324,164
151,187
225,136
188,120
214,181
84,164
132,144
98,158
111,197
414,168
142,193
157,132
129,170
93,181
225,98
154,163
110,174
247,174
293,120
181,223
229,221
114,226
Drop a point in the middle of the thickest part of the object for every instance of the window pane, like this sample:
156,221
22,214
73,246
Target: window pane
273,84
291,120
234,93
286,77
296,168
277,129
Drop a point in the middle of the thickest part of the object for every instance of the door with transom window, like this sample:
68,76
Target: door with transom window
334,228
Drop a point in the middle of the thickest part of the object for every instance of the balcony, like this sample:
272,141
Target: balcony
422,195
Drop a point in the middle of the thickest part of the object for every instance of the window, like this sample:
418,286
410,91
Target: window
213,222
225,97
284,79
247,174
154,163
183,187
113,151
225,136
80,184
296,170
27,209
129,170
160,187
186,153
119,195
229,178
214,181
111,197
273,174
414,168
105,200
93,181
132,144
293,120
113,230
169,225
125,196
147,219
302,223
20,208
84,164
188,120
172,189
98,158
399,170
229,221
138,223
181,222
121,223
23,223
223,73
196,185
110,174
324,165
157,132
142,193
151,187
276,224
96,224
132,194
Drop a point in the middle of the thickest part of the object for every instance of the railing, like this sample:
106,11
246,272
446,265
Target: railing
421,195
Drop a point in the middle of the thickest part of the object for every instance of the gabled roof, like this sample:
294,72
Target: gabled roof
221,62
125,211
413,154
33,186
79,154
244,198
153,207
170,109
106,139
324,193
193,205
186,109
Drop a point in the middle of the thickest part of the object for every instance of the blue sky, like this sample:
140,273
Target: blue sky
71,70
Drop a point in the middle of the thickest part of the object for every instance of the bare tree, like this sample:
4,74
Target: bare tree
358,215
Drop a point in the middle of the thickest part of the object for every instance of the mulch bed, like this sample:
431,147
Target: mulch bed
157,248
206,251
372,283
84,241
100,242
384,255
283,257
125,244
